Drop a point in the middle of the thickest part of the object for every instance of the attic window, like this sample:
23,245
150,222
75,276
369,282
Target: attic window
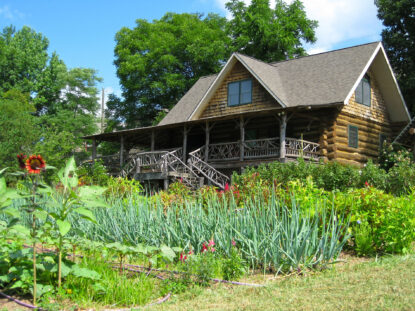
363,91
240,92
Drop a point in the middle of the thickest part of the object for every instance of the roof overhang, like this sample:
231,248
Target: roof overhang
381,68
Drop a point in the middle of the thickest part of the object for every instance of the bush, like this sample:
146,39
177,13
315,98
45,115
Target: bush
95,174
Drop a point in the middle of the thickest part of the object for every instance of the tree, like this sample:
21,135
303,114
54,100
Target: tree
398,16
158,62
18,131
23,58
270,34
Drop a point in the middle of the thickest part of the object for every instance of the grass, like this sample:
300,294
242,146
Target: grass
385,284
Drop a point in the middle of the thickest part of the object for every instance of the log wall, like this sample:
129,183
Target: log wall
370,121
218,105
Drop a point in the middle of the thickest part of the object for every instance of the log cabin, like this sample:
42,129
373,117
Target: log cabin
334,106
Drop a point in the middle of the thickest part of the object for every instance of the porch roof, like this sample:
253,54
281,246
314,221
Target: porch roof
142,133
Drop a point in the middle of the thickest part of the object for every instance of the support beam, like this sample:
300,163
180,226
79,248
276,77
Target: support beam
185,132
283,130
122,152
207,138
153,140
94,150
242,140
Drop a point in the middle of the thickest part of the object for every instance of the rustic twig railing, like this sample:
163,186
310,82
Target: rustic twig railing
302,148
262,148
228,151
216,177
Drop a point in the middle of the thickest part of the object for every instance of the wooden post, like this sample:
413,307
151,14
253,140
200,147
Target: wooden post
185,131
207,138
94,150
153,139
283,129
242,141
122,152
166,183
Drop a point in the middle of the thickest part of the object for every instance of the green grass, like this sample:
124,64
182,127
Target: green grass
386,284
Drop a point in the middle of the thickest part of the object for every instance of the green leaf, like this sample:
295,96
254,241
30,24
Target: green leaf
167,253
85,273
64,226
86,213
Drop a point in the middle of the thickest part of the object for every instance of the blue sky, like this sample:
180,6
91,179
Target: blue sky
82,32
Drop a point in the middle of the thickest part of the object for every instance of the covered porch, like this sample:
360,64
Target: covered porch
207,151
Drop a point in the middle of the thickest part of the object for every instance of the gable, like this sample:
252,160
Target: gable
377,111
218,103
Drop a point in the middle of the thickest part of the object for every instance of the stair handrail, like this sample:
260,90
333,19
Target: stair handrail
216,177
403,131
170,159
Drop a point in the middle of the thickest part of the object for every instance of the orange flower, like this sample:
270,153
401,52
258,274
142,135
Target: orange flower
35,164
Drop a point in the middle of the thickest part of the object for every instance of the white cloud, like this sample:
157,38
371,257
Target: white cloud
340,22
10,14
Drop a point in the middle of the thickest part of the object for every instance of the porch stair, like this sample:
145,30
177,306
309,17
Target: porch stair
210,173
404,131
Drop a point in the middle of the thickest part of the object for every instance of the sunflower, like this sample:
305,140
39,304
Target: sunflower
35,164
21,159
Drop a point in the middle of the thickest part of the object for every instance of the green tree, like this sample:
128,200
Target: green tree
18,131
398,17
270,34
23,58
157,62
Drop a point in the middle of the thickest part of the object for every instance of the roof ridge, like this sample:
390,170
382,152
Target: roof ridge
326,52
258,60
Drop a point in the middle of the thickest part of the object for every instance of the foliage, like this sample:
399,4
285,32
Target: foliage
93,174
399,40
270,34
234,266
119,187
18,133
46,107
391,155
157,62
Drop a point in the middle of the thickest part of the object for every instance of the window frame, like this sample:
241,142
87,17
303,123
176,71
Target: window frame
361,88
239,83
349,143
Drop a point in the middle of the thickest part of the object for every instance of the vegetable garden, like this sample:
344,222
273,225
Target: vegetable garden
77,245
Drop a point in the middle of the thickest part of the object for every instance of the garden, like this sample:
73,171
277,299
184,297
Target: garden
74,238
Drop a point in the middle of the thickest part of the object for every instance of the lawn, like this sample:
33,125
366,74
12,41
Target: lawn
357,284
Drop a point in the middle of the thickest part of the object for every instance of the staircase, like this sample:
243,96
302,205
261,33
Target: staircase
404,131
197,164
170,164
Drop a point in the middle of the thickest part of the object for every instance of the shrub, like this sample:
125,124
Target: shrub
120,187
95,174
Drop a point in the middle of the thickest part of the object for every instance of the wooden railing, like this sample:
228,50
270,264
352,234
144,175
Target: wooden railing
196,162
263,148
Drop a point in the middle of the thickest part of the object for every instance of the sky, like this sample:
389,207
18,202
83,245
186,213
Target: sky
82,32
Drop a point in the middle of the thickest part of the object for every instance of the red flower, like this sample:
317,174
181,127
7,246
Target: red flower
35,164
212,249
211,243
226,187
183,257
367,184
204,248
190,252
20,158
233,242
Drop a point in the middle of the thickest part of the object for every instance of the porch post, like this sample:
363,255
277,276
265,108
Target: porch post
185,130
242,141
283,129
94,150
207,138
122,152
153,138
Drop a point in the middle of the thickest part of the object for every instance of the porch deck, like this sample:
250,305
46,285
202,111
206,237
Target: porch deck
203,163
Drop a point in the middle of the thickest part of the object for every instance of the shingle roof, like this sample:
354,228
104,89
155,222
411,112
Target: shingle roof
183,109
314,80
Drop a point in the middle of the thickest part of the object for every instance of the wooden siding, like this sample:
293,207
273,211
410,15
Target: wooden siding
218,105
371,122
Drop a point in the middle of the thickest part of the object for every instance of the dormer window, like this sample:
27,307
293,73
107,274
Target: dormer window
240,93
363,92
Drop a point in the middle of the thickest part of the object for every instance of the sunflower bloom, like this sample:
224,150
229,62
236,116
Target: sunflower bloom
21,159
35,164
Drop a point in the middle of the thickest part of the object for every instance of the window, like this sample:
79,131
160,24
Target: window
362,94
353,133
240,93
382,139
